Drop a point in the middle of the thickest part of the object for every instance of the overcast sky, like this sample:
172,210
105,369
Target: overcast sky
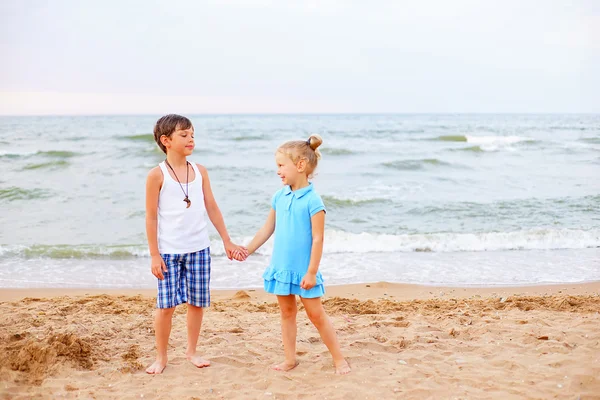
321,56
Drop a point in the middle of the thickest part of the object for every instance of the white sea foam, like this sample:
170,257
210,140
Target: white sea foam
460,268
496,143
345,242
496,139
15,153
534,239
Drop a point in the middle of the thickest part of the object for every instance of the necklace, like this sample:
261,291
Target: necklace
186,191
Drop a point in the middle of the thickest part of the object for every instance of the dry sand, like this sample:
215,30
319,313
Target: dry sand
403,341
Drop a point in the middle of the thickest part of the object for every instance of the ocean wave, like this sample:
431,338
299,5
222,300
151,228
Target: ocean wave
593,140
497,140
451,138
144,137
534,239
16,193
249,138
516,208
154,150
380,132
576,147
569,128
484,139
411,165
486,143
336,152
345,242
48,165
58,153
50,153
538,239
473,149
334,201
16,154
76,251
374,193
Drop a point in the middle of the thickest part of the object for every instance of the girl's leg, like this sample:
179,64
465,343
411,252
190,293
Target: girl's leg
194,323
287,305
162,327
317,315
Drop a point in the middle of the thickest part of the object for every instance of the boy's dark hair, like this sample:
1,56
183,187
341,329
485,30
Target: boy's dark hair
168,124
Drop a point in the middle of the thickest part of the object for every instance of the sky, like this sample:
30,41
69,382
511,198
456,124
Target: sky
312,56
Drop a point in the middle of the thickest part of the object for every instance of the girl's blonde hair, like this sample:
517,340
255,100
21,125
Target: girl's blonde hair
304,149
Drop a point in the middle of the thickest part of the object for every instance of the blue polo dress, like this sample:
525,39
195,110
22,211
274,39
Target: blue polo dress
293,242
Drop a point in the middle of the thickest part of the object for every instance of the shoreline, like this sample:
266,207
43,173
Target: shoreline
362,291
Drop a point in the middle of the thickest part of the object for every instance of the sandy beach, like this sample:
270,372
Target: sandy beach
403,341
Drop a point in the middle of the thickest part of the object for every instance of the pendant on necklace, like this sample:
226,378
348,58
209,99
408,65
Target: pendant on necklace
188,201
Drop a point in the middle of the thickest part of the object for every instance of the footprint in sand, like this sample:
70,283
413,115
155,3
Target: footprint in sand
375,347
234,362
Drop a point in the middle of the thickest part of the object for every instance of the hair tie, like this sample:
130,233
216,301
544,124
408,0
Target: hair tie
308,142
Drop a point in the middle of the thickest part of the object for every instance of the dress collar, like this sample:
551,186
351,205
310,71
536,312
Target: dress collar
300,192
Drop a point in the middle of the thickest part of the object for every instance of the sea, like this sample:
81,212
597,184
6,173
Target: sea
431,199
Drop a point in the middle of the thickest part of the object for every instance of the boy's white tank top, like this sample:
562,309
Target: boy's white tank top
181,230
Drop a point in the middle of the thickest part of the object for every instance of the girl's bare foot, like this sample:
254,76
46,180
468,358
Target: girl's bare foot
342,367
157,367
198,361
284,366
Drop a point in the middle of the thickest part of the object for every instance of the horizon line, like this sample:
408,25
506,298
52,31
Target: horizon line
303,114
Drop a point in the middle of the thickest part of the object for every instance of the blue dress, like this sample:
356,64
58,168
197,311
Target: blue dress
293,242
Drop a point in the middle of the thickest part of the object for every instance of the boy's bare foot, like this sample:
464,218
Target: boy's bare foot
284,366
198,361
342,367
157,367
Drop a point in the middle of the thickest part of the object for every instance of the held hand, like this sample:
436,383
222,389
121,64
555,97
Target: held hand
308,281
157,265
231,248
240,254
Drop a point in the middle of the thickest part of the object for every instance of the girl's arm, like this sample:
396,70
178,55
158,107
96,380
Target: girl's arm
263,234
153,184
318,230
214,214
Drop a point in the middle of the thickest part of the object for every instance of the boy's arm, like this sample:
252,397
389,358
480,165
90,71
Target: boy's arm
214,213
263,234
153,184
318,229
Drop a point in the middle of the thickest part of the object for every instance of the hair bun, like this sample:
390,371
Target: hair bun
314,141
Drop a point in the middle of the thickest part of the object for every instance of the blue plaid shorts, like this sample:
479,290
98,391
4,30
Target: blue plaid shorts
187,280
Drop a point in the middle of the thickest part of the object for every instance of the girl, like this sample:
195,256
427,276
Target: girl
297,217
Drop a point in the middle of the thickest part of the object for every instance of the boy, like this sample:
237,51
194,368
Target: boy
178,198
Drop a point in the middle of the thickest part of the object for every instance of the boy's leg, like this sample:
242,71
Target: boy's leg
162,327
288,308
198,296
317,315
167,299
194,323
